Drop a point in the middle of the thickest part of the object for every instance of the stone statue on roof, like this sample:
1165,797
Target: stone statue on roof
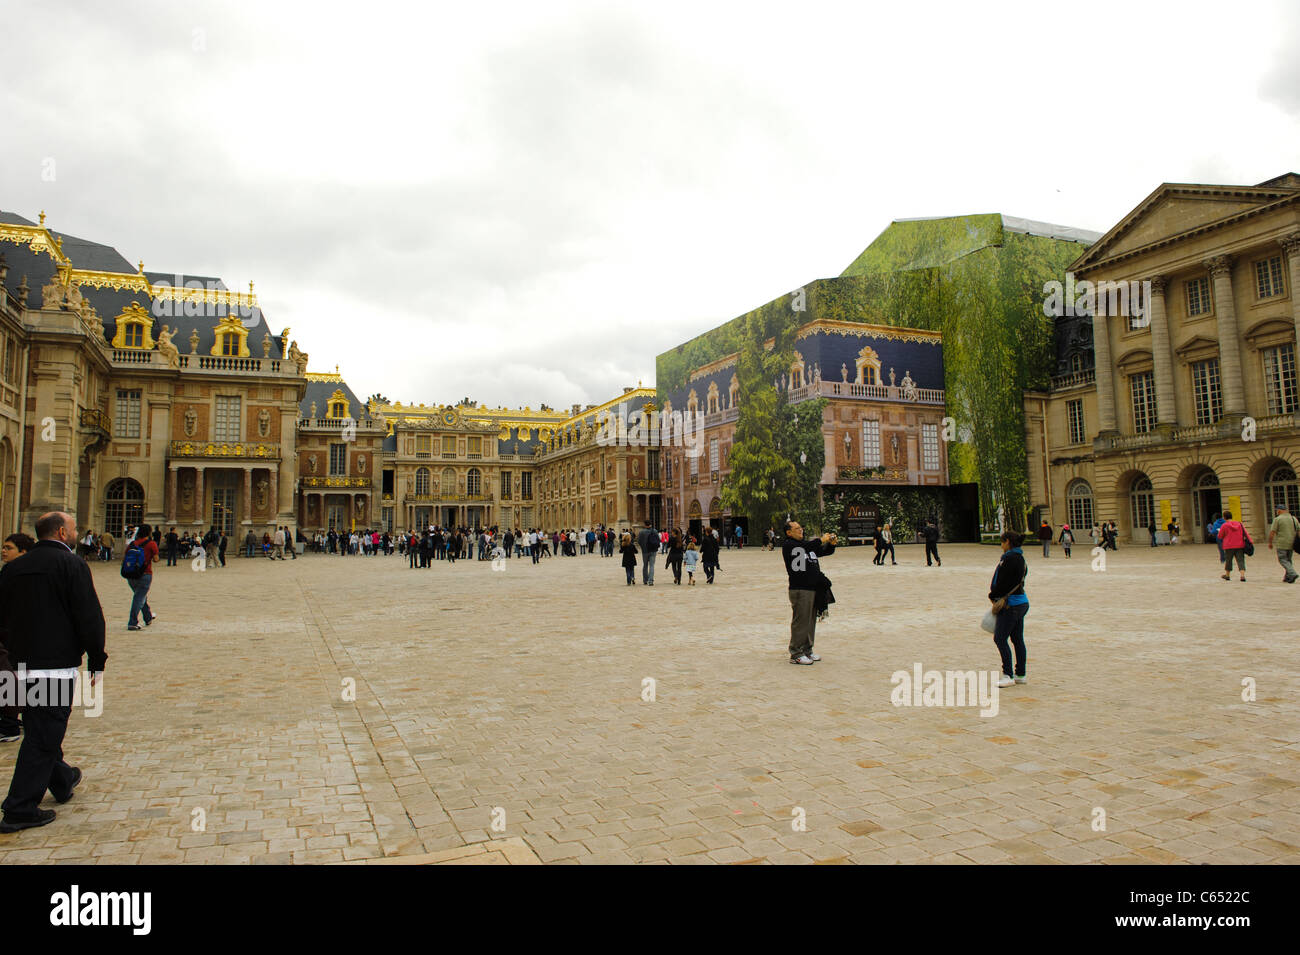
909,387
170,353
53,294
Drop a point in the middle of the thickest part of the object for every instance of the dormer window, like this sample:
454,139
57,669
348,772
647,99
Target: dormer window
230,345
133,328
338,404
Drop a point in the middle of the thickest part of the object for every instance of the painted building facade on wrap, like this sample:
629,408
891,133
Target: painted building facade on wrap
882,425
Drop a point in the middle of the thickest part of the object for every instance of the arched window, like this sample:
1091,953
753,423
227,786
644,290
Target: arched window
868,364
448,482
422,481
734,392
692,402
474,482
123,505
1142,500
713,398
1078,506
1281,490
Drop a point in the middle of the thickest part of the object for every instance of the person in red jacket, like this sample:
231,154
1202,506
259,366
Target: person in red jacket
1233,537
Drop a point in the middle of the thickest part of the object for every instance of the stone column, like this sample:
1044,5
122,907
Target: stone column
1105,373
200,509
273,496
1166,407
171,495
248,496
1291,243
1234,394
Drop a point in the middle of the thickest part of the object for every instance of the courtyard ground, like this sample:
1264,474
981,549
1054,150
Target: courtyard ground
350,709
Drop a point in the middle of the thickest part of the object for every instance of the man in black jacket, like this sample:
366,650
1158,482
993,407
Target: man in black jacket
709,554
801,564
50,616
931,535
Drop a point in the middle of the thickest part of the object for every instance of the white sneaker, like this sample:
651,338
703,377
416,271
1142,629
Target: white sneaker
814,657
1005,680
1022,679
803,661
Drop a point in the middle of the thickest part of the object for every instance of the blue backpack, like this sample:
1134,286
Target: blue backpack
133,562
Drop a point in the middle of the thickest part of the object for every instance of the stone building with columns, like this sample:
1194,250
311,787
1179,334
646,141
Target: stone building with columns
141,396
1184,405
467,465
339,449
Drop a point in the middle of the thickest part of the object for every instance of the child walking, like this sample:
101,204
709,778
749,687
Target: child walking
691,558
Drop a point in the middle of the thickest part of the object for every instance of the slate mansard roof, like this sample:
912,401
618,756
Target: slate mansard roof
39,267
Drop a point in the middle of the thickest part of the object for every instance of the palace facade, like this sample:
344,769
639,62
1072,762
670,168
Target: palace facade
1175,395
129,395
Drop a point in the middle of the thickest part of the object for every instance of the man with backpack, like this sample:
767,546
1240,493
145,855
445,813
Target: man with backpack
137,569
1283,532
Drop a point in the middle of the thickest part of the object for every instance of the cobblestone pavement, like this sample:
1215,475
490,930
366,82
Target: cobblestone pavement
516,697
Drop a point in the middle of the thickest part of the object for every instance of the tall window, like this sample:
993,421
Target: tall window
230,345
1268,277
421,482
526,486
474,482
227,419
1198,296
338,460
11,358
127,424
124,505
695,461
1143,502
871,444
1279,379
476,447
448,445
1144,401
1205,391
423,445
505,485
1280,488
1074,414
1078,505
652,464
930,447
713,454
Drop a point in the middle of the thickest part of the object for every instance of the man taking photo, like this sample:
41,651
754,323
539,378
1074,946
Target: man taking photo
50,617
802,567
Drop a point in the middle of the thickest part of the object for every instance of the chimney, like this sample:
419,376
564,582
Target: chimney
627,389
576,409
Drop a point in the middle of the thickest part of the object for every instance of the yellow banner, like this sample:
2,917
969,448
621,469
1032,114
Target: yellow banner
1166,513
1234,505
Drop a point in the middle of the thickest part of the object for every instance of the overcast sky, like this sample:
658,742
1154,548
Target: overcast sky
525,203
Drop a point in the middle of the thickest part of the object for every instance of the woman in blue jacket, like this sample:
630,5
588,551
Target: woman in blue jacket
1007,592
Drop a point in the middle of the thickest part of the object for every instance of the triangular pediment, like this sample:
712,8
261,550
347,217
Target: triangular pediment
1177,209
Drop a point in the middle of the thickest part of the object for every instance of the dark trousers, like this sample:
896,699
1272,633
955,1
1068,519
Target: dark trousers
803,621
676,564
171,556
1234,553
932,551
40,766
888,549
708,571
1010,627
9,725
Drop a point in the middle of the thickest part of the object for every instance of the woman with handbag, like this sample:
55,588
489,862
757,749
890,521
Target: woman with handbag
1236,543
1007,593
